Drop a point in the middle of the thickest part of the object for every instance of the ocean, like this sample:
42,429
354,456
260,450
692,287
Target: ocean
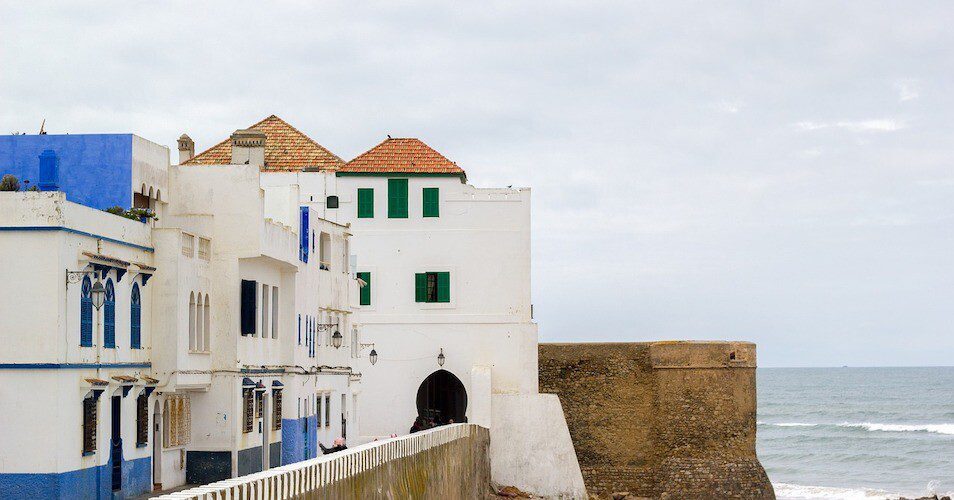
857,433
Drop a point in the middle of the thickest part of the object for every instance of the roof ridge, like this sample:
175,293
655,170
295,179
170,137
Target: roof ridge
276,121
289,125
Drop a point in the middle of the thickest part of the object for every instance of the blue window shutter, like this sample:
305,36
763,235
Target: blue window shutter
135,319
249,302
86,314
109,316
303,233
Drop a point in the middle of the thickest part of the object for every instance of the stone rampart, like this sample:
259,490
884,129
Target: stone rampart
660,419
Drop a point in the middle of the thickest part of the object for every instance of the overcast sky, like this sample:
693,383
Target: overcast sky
774,172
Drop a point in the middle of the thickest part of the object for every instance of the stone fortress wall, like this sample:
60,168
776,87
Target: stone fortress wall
660,419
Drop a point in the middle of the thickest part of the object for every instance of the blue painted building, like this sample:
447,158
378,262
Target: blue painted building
96,170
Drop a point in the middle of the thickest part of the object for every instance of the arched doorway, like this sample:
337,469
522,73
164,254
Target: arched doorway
442,397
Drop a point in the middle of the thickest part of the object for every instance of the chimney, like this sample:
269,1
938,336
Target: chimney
186,149
248,148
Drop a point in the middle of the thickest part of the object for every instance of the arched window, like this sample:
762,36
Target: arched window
198,323
109,317
192,340
86,313
135,318
206,329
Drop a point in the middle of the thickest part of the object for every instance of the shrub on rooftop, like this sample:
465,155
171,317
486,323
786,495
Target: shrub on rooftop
9,183
140,214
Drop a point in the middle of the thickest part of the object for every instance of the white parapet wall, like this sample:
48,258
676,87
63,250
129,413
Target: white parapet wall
530,446
445,462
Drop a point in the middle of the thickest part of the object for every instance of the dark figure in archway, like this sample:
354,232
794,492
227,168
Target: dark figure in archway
442,398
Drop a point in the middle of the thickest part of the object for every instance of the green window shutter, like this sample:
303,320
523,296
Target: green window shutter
443,287
366,289
420,287
365,203
397,198
431,204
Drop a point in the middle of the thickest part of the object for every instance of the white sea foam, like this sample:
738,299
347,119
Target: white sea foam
785,491
935,428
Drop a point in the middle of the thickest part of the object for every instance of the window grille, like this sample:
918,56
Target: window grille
142,420
90,418
205,249
248,403
178,416
188,245
276,410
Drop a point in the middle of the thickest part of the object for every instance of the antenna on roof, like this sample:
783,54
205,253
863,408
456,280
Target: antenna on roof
42,127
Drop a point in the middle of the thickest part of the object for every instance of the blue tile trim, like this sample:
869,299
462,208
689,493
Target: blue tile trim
69,366
76,231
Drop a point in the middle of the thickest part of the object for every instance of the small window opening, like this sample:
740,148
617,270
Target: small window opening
332,202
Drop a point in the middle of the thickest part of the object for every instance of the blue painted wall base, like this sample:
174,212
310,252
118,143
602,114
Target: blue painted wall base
91,483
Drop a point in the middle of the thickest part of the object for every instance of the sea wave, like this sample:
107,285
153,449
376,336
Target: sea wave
947,429
934,428
788,491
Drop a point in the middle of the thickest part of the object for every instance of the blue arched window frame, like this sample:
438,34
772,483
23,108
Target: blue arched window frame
109,316
135,318
86,313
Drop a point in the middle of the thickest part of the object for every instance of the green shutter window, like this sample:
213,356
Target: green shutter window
420,287
397,198
366,289
365,203
431,204
443,287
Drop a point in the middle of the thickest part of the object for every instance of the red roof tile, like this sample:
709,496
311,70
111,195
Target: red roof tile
286,149
402,155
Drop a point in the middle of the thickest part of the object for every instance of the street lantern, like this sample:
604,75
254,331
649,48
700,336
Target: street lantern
98,294
440,358
373,356
336,339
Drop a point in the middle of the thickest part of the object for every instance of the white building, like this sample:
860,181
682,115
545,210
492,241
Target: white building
196,366
447,303
76,380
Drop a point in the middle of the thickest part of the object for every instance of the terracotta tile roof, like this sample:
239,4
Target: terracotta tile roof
286,148
402,155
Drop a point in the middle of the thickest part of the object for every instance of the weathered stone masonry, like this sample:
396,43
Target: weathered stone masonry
660,419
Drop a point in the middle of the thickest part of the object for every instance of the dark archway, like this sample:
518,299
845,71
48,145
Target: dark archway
442,397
